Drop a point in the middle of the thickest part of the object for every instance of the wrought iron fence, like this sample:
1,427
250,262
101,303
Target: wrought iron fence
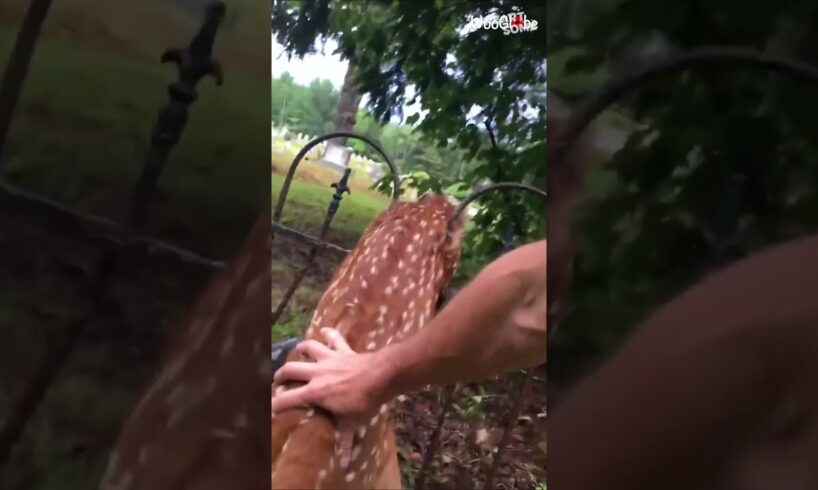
281,350
117,241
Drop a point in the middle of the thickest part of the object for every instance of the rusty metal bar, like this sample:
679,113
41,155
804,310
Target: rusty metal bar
447,395
491,188
340,187
56,216
18,64
285,187
511,421
310,240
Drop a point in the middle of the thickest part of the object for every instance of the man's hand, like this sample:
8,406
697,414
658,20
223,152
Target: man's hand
342,381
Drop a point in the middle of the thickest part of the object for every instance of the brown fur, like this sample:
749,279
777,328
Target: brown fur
201,424
385,290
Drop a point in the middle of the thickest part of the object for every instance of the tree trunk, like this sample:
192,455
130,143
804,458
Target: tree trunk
347,109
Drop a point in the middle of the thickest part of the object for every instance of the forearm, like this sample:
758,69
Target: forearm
495,324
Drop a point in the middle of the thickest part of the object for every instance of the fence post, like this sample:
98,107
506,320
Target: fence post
17,66
194,63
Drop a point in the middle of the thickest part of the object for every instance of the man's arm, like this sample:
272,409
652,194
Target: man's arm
494,324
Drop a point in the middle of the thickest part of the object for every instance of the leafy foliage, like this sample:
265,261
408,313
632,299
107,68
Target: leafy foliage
724,166
464,82
308,110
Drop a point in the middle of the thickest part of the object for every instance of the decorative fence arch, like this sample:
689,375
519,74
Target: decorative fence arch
281,350
340,188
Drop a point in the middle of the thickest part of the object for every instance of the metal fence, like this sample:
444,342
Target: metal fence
281,350
118,241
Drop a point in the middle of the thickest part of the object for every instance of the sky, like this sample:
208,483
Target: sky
326,66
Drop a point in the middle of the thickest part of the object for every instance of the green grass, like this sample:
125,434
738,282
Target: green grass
305,208
83,126
299,310
307,203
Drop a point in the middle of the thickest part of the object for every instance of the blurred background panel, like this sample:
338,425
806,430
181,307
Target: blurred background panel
694,168
92,95
79,136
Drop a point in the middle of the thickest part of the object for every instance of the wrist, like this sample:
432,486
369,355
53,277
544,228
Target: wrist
392,364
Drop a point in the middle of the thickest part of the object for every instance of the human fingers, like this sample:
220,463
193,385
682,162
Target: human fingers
336,340
295,371
293,398
314,349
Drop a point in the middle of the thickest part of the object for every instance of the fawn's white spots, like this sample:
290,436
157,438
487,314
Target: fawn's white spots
265,368
174,418
227,345
175,395
386,297
126,481
210,386
241,420
143,456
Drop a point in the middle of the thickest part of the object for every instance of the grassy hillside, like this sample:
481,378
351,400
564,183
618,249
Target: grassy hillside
92,97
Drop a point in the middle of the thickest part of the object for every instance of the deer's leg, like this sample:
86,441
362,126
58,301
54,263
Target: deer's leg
389,478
